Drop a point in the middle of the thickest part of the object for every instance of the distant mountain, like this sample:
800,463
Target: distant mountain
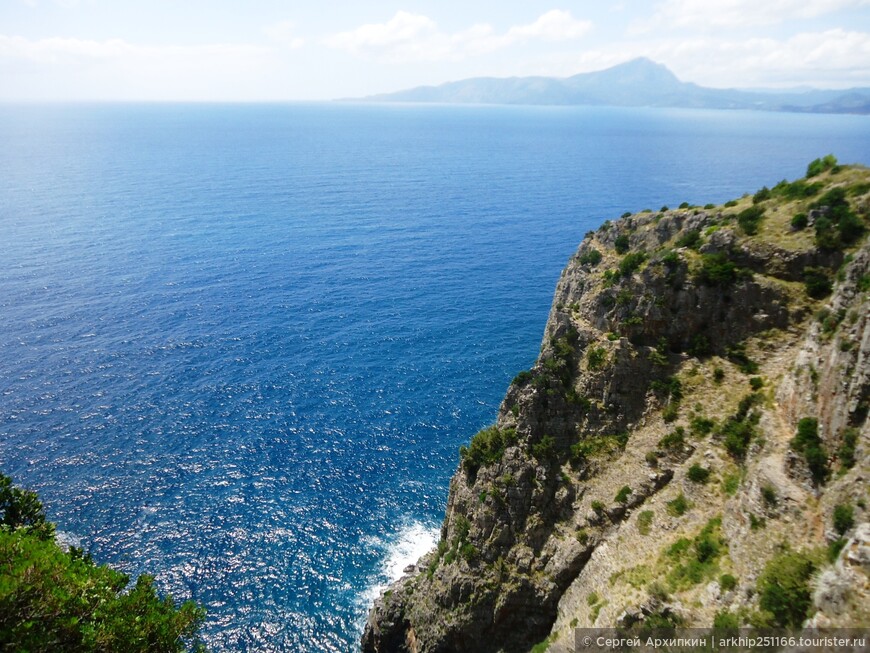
636,83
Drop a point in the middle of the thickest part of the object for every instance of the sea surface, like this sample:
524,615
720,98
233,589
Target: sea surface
241,344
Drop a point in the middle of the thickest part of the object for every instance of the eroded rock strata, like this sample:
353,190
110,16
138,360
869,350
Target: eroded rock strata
696,422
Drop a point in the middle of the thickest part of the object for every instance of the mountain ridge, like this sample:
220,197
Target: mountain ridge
639,82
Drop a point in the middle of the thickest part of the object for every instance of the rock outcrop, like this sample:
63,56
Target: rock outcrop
698,411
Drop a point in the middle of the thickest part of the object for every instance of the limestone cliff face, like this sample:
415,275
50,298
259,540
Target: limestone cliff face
681,352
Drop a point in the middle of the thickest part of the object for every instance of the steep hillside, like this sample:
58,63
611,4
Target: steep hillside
695,424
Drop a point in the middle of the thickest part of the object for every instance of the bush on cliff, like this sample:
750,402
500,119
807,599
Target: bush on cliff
807,442
820,165
717,270
749,219
836,226
486,447
57,600
784,593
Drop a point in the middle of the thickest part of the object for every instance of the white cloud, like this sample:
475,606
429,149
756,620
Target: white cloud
833,58
66,4
723,14
54,50
401,30
284,33
414,37
555,25
116,69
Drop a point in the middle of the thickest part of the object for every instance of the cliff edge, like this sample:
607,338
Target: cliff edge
693,432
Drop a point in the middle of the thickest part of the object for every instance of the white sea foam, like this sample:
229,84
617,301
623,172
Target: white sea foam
410,544
413,540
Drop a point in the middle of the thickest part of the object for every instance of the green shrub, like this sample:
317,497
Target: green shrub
837,226
761,195
670,259
674,440
545,448
784,592
835,547
597,445
727,582
844,518
737,355
678,506
718,375
22,509
691,239
738,430
717,270
56,600
846,452
698,474
597,506
706,548
624,296
657,358
591,257
799,221
730,203
486,447
696,560
818,166
808,442
621,244
596,357
671,412
668,389
797,190
818,282
769,496
749,219
542,646
623,494
630,263
756,383
523,378
468,551
463,528
699,346
724,620
701,426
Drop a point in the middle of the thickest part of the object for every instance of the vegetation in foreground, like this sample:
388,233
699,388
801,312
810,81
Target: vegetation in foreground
57,600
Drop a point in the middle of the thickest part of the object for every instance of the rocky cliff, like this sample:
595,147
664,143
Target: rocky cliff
694,429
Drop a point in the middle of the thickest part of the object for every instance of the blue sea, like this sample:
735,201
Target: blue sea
241,344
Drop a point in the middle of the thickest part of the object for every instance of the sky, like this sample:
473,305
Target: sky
287,50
